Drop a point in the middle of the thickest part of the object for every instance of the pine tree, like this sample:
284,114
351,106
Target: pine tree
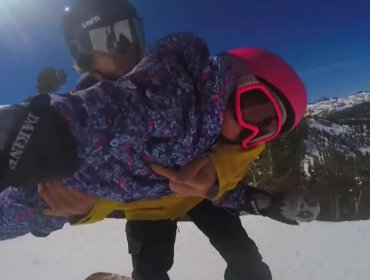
50,80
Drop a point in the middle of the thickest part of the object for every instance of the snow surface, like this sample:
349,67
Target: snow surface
315,251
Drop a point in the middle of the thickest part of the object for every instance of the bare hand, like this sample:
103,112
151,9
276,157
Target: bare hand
196,179
65,202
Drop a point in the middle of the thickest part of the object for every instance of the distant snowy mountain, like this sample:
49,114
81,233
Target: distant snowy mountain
326,106
342,124
328,154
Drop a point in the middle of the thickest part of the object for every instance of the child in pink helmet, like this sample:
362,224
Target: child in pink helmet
175,106
269,99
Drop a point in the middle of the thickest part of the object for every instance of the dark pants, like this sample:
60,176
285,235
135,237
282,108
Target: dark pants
151,245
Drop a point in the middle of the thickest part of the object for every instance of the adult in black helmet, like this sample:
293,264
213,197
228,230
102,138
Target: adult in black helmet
94,28
105,38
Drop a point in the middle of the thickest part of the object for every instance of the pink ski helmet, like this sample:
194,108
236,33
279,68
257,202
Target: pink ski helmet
281,76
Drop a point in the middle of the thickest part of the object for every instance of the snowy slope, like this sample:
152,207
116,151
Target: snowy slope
316,251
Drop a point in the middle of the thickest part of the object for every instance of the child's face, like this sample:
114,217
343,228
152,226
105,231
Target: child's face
259,113
251,118
230,129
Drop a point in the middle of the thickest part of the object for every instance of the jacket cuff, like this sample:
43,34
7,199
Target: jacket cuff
232,163
101,210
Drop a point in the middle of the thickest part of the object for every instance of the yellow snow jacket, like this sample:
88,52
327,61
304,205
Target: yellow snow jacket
231,163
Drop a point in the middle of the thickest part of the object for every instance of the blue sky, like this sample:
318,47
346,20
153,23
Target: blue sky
327,42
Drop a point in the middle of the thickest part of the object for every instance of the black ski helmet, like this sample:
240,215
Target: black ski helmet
110,26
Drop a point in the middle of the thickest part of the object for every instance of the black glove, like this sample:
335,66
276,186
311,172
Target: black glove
283,207
35,145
